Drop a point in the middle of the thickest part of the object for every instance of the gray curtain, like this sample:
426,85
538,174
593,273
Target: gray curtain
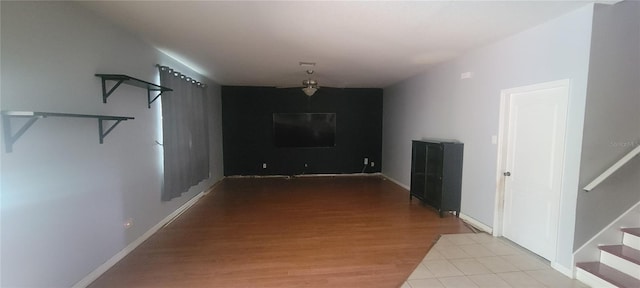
185,137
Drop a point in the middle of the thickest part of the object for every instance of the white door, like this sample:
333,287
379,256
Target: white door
535,139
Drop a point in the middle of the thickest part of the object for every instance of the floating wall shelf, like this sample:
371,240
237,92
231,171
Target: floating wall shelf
120,78
10,138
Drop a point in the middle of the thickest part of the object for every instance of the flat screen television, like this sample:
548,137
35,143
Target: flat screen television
304,129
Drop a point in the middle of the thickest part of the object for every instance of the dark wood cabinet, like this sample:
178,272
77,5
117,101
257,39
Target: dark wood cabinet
436,174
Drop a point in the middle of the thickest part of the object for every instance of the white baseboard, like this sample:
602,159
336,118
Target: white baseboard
87,280
476,223
564,270
397,182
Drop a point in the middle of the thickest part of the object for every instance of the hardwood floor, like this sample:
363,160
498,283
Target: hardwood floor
302,232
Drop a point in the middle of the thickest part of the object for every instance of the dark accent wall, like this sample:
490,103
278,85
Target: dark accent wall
247,125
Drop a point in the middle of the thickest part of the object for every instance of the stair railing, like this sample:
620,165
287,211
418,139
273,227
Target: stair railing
612,169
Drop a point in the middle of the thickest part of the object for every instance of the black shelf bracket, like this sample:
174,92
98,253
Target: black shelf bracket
149,100
10,138
105,93
101,130
120,79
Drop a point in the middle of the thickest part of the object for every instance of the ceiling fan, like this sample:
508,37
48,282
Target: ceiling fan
310,85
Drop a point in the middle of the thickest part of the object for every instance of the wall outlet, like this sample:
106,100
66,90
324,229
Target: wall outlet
373,164
264,165
366,161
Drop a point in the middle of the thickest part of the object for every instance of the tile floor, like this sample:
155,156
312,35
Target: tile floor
480,260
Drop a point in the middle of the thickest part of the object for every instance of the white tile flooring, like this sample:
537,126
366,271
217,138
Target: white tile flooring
480,260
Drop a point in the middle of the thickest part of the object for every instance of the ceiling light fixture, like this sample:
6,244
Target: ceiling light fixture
310,85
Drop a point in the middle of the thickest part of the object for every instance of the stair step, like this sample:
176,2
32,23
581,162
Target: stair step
624,252
631,237
622,258
609,274
632,231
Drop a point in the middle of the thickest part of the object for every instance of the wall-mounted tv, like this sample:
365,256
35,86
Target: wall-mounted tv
304,129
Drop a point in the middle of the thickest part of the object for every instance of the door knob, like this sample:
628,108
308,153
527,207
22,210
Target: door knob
506,173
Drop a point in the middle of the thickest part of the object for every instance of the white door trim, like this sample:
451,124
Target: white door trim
498,219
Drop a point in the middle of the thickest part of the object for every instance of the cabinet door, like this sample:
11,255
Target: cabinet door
452,177
418,169
433,185
434,160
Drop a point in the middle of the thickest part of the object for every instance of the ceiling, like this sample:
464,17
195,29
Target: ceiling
355,44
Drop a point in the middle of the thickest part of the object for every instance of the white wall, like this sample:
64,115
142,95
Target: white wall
65,197
438,104
612,121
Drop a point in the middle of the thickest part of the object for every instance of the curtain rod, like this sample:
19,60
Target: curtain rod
182,76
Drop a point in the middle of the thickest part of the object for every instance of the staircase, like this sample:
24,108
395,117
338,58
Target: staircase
619,265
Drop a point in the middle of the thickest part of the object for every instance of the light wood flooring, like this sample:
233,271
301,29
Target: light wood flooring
300,232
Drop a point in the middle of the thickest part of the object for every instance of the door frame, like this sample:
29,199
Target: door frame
503,137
